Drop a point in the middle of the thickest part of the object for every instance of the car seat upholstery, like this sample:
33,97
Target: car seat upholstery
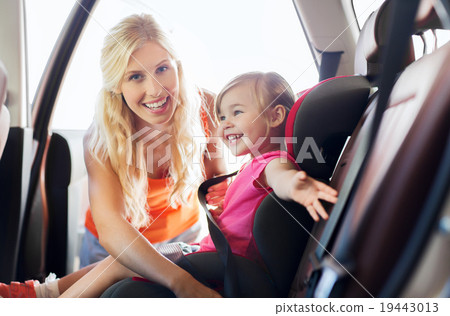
388,202
368,52
398,177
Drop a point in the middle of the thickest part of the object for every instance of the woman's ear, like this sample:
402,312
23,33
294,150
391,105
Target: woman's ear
277,115
117,90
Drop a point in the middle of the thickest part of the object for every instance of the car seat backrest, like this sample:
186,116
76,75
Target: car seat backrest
320,121
399,172
4,113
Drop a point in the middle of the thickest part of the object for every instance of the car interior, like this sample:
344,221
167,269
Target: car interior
379,116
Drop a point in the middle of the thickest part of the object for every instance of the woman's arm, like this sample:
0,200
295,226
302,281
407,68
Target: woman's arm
97,280
290,184
123,241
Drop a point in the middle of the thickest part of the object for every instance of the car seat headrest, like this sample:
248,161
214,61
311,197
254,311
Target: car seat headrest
426,17
371,42
321,120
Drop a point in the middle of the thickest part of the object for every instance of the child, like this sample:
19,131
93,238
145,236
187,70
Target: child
251,109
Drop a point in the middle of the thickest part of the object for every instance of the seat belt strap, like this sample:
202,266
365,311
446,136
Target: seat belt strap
231,284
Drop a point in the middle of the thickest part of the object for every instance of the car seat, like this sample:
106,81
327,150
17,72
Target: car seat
389,202
371,42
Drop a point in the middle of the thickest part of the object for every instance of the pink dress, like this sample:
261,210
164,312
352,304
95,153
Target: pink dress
241,202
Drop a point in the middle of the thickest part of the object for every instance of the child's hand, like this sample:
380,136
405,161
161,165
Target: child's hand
307,191
216,193
216,212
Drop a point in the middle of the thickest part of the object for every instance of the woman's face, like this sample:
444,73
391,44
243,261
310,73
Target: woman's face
150,86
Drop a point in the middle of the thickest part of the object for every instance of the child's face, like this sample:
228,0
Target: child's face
242,125
150,85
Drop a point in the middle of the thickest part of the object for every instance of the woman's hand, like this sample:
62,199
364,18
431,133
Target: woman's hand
187,286
216,193
307,191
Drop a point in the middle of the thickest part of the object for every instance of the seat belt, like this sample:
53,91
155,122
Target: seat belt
231,283
401,25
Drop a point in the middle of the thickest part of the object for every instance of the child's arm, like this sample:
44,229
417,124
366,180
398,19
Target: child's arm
290,184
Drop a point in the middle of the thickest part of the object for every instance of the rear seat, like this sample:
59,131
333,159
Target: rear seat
402,168
400,171
367,64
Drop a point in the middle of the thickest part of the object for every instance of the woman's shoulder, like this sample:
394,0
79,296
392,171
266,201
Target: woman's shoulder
88,136
90,156
207,95
87,141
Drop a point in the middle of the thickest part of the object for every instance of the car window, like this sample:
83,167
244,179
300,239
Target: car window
217,40
42,30
430,41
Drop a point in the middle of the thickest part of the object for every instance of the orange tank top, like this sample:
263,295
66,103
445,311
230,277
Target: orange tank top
166,222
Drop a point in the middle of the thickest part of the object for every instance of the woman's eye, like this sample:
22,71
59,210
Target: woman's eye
161,69
135,77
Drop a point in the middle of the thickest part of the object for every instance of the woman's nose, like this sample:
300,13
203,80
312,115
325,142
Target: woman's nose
153,88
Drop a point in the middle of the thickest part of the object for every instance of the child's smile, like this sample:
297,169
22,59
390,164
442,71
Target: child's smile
233,138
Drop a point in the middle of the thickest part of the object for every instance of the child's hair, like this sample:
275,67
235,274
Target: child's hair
114,121
268,89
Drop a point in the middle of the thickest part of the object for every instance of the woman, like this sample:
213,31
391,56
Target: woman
145,156
144,152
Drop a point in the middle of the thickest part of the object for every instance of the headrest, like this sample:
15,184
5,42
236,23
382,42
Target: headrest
426,17
320,121
371,42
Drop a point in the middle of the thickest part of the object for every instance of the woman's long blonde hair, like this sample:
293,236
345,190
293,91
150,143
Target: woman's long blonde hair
114,125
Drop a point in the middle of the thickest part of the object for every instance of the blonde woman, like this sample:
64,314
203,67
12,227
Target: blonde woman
145,143
145,156
144,153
